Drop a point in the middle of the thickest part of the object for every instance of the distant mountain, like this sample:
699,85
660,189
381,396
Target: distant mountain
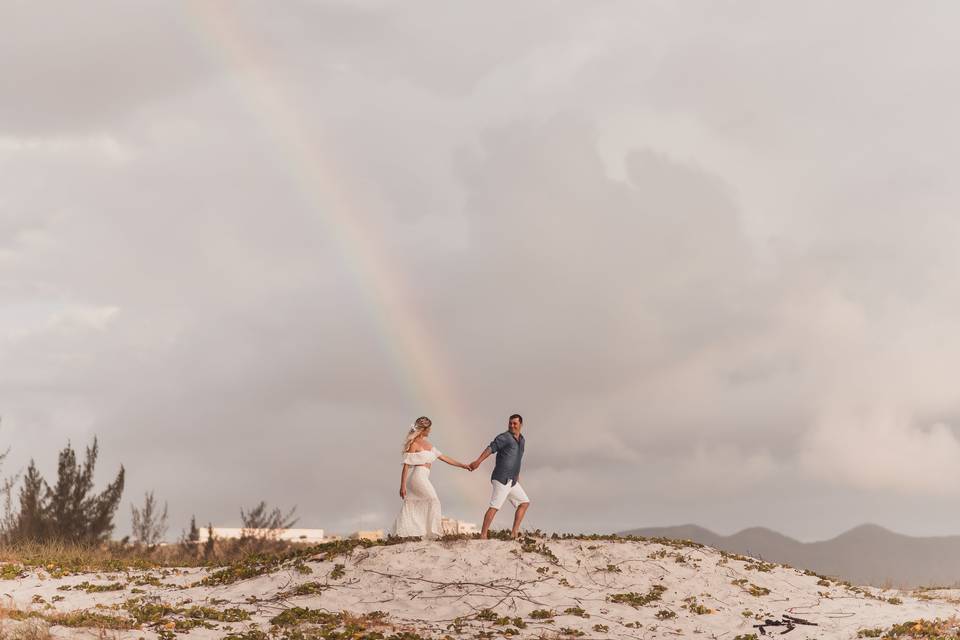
867,554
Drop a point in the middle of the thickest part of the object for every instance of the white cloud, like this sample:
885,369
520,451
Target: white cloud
884,452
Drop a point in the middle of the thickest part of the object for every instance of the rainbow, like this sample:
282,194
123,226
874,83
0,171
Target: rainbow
418,364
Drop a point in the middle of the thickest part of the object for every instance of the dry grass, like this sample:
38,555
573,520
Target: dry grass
63,558
27,630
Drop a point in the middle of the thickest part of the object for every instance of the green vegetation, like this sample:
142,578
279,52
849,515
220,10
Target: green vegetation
542,614
325,626
695,607
929,630
75,619
304,589
300,615
576,611
666,614
166,618
489,615
11,571
93,588
750,564
637,600
662,554
69,509
751,588
601,628
531,545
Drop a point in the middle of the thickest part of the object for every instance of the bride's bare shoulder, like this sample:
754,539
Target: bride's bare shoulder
417,446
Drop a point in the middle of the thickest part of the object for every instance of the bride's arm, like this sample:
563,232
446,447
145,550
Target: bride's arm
403,481
453,462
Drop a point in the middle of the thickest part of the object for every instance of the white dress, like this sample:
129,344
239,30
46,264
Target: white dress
420,515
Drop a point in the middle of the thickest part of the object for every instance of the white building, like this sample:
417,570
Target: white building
290,535
451,527
375,534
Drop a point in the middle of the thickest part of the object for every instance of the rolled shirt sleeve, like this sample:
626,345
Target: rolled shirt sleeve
509,455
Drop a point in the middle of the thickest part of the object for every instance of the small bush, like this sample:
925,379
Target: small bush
637,600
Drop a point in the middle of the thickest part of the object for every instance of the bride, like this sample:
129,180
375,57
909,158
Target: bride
420,515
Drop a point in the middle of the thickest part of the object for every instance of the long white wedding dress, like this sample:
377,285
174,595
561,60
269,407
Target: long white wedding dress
420,515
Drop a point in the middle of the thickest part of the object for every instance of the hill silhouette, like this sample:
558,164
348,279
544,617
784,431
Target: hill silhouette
867,554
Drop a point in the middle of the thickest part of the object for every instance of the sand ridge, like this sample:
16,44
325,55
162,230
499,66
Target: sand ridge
541,588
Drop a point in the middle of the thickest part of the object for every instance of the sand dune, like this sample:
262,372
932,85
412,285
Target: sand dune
544,588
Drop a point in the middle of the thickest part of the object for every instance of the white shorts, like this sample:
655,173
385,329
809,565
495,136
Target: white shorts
503,491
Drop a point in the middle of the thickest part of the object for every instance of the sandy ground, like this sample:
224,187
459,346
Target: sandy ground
439,588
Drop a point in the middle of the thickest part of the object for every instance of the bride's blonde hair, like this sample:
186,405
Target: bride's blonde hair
416,430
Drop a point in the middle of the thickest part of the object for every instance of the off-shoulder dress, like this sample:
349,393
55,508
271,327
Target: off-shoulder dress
420,514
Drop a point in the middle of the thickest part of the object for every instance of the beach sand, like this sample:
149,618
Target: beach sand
546,588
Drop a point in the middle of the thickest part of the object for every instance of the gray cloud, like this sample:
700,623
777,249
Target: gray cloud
706,250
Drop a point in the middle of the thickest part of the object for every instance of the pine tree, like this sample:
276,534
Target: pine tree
69,510
72,512
193,536
210,545
262,522
30,523
148,524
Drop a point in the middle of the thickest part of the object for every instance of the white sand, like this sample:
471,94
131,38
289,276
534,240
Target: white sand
424,586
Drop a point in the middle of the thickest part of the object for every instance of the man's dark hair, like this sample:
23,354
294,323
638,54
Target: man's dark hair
518,417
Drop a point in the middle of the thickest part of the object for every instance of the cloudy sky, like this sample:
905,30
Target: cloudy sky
708,249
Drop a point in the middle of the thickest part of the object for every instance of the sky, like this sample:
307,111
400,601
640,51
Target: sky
707,249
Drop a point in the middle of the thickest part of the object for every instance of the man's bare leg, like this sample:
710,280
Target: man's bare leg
487,521
518,518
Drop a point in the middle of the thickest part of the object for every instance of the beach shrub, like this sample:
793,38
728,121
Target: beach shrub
750,588
636,599
300,615
695,607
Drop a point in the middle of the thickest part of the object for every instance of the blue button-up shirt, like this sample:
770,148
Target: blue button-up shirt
509,455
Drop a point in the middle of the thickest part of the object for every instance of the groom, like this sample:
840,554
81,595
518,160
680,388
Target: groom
506,475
